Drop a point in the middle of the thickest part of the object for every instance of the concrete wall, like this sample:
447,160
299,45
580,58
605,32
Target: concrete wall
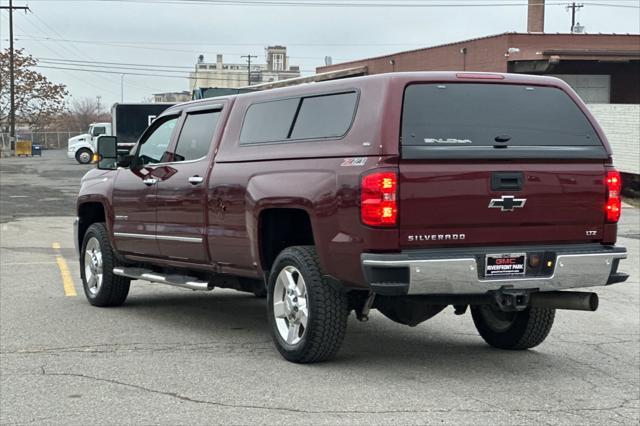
621,124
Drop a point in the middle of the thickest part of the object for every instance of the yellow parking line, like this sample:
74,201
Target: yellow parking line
67,281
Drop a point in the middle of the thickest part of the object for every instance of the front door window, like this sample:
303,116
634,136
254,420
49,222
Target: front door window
154,148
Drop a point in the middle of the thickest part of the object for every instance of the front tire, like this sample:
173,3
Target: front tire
513,330
307,316
84,155
97,260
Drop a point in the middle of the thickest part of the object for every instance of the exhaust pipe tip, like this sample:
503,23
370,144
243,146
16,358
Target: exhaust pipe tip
571,300
594,302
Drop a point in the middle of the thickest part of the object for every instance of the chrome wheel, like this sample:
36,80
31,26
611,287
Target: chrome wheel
93,266
84,156
290,305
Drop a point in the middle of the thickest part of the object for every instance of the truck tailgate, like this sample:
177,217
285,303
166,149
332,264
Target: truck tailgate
449,204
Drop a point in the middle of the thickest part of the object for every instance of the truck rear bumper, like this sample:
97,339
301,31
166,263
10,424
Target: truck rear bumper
462,271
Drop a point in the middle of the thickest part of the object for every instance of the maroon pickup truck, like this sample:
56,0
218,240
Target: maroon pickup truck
404,192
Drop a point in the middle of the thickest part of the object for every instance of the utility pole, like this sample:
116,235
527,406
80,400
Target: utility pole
12,88
574,7
121,88
248,68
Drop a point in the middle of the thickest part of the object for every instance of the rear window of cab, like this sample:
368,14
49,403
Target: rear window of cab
326,116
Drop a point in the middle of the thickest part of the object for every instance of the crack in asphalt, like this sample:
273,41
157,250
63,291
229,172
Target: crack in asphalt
185,398
143,347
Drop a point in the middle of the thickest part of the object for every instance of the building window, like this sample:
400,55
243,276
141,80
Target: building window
278,61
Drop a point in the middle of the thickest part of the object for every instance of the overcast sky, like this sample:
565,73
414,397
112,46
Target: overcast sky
157,32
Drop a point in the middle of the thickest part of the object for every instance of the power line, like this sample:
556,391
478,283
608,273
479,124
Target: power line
55,50
81,80
341,4
124,65
126,72
110,67
73,48
113,72
174,68
207,44
136,45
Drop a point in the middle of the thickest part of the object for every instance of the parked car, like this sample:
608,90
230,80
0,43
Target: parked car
405,192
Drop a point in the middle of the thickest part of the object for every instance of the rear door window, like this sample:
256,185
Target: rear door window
494,120
196,136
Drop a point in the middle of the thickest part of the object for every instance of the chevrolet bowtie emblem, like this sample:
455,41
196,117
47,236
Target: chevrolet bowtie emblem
507,203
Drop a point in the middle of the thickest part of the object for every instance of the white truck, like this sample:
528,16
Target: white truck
128,121
82,147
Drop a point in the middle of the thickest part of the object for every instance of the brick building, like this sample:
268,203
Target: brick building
602,68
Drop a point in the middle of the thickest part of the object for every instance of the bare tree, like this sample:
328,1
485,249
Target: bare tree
38,101
86,111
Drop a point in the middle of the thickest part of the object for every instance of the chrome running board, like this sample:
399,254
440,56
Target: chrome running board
183,281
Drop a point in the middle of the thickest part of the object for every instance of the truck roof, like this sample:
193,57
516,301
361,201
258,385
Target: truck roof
393,84
389,78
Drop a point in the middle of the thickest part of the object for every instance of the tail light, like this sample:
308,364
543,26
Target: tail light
378,199
614,202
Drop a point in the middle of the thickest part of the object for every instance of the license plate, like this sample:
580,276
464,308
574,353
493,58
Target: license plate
505,264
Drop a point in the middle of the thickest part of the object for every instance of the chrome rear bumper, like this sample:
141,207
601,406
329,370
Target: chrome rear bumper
456,271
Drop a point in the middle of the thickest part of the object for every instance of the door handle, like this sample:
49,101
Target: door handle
150,181
194,180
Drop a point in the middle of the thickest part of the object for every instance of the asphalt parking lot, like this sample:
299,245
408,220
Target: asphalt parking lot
174,356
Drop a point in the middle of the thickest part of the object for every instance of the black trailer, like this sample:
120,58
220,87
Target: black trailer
129,121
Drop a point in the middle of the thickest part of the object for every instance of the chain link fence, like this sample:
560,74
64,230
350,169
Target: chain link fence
47,140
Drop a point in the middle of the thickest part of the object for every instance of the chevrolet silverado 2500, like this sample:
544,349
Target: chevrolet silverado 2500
405,192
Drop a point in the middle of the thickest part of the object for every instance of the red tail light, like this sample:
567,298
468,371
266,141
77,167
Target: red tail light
613,205
378,200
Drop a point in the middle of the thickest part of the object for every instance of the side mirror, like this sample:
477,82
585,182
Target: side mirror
107,152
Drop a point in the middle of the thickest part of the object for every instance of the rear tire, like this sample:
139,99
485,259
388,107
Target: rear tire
84,156
97,260
513,330
307,315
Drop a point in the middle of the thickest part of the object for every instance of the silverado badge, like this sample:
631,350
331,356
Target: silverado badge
507,203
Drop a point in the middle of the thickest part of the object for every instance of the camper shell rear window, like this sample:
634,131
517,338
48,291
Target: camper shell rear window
475,120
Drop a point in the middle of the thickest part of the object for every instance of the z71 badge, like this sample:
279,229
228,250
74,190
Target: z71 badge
354,162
